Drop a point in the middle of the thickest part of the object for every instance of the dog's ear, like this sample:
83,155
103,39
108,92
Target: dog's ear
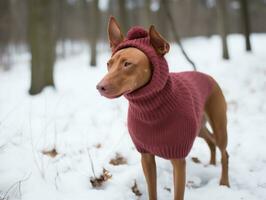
115,35
158,42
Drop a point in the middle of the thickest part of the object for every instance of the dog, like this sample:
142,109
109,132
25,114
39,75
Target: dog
167,111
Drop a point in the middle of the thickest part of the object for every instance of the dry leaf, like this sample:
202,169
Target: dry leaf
167,189
51,153
135,189
98,182
195,160
98,146
118,160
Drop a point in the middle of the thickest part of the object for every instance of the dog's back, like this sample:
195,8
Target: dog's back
198,85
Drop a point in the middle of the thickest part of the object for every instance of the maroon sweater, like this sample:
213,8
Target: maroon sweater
164,116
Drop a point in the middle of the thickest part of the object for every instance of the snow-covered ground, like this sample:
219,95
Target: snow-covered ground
84,127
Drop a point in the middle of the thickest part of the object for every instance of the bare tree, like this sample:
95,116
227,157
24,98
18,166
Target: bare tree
161,18
42,40
147,17
223,25
123,15
94,31
245,22
62,27
175,33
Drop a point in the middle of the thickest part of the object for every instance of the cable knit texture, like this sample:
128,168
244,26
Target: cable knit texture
164,116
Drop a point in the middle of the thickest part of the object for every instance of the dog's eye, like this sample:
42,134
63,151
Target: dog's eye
127,64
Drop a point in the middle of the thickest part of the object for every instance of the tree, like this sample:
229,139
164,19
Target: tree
94,31
62,27
123,13
177,39
147,11
162,26
223,26
245,22
42,41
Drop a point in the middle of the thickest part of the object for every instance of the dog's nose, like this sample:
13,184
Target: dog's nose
101,87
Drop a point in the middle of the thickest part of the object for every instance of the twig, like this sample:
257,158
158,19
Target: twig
56,178
175,33
18,183
92,166
2,147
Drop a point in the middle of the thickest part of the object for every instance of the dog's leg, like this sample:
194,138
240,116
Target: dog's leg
216,111
149,169
208,137
179,174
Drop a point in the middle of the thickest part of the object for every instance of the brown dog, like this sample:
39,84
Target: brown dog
128,70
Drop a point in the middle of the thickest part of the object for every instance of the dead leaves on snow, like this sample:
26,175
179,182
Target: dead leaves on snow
51,153
195,160
167,189
118,160
135,189
98,145
97,182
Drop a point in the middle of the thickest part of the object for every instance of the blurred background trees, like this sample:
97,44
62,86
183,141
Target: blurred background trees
42,42
48,29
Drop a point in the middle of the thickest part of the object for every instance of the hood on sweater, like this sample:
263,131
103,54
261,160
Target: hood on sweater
138,37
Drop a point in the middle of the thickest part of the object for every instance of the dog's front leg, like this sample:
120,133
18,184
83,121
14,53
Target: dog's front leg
179,175
149,169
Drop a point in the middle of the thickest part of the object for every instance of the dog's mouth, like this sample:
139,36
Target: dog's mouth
114,96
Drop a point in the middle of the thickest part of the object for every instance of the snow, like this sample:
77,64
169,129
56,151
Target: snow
75,119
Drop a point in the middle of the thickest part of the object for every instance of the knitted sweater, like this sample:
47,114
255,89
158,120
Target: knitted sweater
164,116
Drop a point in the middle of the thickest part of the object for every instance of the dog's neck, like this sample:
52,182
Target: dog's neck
158,80
146,101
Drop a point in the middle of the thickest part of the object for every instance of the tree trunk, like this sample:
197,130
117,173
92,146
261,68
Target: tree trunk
245,22
146,14
94,32
223,26
170,19
123,16
42,40
162,26
62,27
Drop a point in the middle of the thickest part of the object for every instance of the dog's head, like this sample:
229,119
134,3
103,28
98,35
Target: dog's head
129,68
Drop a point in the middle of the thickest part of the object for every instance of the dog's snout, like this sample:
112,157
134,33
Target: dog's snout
101,87
104,88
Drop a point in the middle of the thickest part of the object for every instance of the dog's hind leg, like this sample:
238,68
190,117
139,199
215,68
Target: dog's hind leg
215,109
208,137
